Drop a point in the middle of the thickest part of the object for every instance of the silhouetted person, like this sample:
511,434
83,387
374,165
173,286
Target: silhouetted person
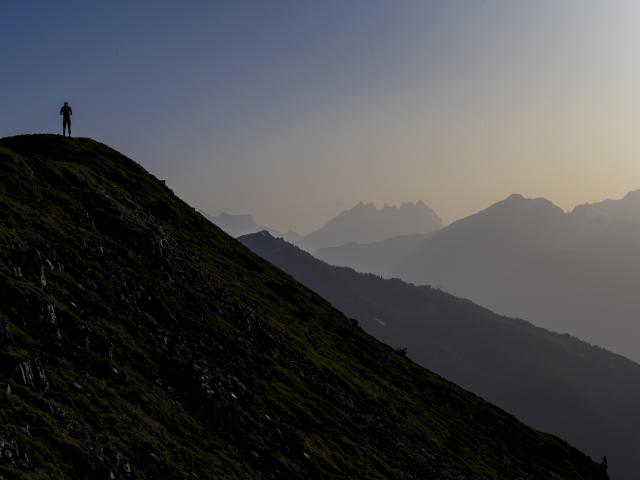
66,113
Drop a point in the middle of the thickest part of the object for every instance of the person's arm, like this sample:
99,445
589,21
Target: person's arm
60,110
70,111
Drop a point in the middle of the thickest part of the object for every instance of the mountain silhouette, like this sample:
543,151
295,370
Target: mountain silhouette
624,209
138,340
375,257
572,272
366,223
238,225
582,393
392,257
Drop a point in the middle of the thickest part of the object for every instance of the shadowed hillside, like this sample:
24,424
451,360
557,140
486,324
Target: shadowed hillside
137,340
557,383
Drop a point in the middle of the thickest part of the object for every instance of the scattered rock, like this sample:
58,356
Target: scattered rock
51,314
32,374
56,412
30,261
5,334
11,454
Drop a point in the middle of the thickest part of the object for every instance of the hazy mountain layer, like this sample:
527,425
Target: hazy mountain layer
238,225
366,223
376,257
558,383
572,273
627,208
137,340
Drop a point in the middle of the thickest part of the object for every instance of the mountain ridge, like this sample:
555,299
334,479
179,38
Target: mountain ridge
565,271
626,208
237,225
553,381
527,257
375,257
365,222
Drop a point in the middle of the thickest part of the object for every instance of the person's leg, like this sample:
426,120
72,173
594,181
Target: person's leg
64,127
69,126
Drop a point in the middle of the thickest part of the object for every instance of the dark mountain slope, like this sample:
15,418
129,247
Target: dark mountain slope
138,340
554,382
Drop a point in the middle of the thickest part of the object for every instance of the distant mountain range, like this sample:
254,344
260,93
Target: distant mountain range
367,223
238,225
362,223
585,394
625,209
375,257
574,272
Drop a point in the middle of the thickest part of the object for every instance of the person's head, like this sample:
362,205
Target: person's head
65,104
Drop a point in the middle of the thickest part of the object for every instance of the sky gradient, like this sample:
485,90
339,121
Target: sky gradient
295,110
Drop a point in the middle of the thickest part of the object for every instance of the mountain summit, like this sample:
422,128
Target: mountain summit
139,341
366,223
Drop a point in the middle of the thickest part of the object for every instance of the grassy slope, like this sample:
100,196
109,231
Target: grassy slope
161,348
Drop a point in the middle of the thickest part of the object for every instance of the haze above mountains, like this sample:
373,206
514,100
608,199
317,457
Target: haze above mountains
575,272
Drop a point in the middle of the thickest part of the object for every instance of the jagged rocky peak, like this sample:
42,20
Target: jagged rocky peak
366,223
